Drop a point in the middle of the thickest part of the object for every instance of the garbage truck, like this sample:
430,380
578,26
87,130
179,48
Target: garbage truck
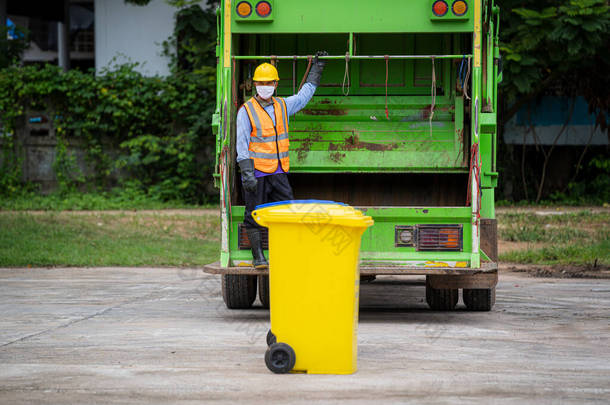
402,126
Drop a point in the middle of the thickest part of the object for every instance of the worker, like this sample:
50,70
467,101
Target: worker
262,145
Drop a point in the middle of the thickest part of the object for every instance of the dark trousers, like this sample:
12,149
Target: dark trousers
270,188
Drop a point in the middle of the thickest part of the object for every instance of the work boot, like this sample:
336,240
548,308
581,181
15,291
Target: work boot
256,242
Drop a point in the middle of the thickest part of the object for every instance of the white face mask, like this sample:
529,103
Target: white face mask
265,92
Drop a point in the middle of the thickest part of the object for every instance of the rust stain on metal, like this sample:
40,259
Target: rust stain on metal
425,112
305,146
337,157
303,149
314,137
324,112
325,101
309,128
353,143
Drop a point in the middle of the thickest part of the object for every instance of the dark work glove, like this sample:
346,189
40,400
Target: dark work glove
247,175
315,73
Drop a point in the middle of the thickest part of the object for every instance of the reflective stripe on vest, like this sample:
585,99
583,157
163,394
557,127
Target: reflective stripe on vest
260,155
269,144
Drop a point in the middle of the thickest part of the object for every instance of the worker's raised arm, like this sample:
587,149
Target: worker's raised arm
295,103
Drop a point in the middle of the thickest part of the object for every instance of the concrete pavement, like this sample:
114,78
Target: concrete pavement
112,335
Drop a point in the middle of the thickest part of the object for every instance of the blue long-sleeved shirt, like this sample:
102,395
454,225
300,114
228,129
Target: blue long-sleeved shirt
294,104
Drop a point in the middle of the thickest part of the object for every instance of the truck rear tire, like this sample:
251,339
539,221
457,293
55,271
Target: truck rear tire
263,290
238,291
479,299
441,299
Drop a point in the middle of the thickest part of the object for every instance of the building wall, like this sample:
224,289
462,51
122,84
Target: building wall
548,115
133,34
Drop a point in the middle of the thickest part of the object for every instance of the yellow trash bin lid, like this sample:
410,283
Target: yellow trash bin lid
311,212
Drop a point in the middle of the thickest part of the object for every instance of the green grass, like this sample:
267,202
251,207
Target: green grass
65,239
538,233
112,200
571,238
565,218
170,238
596,253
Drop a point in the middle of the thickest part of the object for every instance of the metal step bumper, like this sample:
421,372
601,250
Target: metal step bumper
369,270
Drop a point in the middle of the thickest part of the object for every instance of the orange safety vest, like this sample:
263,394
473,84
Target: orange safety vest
268,143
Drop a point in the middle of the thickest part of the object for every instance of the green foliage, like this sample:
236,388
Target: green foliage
11,49
68,174
10,165
158,125
593,189
193,43
557,44
10,156
588,185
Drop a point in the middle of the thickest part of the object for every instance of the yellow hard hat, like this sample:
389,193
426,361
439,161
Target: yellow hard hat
265,73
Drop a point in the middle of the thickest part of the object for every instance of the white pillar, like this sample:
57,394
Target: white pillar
63,38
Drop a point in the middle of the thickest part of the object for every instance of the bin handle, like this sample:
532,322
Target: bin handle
258,219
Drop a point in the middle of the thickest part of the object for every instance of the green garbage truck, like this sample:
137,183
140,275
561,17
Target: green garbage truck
402,126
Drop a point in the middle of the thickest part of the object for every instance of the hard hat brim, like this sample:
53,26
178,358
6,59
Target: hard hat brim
265,72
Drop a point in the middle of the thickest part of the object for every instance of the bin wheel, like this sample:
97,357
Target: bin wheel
238,291
479,299
271,339
263,290
280,358
441,299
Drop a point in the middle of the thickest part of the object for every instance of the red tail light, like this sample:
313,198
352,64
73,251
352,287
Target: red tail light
263,9
439,8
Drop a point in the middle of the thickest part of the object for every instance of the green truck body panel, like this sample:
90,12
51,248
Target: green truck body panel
378,242
339,16
393,54
352,134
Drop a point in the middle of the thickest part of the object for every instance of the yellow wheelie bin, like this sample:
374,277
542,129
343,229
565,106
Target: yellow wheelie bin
314,282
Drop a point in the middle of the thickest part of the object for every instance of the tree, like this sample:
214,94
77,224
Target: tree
12,44
555,47
556,44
